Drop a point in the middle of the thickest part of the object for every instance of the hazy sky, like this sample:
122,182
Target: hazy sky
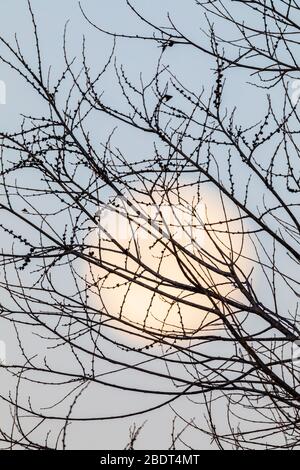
193,68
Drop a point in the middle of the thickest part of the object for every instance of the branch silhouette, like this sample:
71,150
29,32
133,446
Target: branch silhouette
179,267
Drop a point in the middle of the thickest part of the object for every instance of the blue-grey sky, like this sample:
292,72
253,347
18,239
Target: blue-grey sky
137,57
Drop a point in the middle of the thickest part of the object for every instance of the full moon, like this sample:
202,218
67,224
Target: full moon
154,258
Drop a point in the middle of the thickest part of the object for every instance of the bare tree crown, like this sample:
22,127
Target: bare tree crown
180,265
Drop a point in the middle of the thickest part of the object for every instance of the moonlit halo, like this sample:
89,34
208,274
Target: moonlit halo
151,311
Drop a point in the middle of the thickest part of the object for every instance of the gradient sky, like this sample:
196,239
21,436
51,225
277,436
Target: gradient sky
136,57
